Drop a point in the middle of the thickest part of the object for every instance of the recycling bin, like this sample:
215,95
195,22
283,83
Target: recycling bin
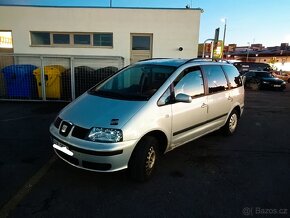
19,80
52,75
85,78
105,72
2,85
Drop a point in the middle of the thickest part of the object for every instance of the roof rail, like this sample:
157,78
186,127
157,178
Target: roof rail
152,59
206,59
199,59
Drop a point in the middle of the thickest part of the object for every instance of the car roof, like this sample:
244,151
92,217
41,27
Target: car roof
163,61
258,71
245,62
177,62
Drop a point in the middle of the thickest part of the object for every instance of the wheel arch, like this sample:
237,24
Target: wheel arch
160,137
238,109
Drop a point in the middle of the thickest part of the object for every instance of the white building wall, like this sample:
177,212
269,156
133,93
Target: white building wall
171,28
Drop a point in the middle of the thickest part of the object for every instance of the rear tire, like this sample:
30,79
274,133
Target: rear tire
232,123
144,159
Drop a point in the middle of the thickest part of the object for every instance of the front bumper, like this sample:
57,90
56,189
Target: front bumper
93,156
273,86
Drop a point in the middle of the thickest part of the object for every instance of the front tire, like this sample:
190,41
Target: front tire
256,85
232,123
144,159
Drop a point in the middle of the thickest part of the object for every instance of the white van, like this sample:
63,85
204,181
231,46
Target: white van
145,110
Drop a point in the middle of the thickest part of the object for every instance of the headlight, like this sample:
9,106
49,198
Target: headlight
283,82
98,134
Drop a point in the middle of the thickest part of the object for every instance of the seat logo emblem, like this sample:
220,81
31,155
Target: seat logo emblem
64,128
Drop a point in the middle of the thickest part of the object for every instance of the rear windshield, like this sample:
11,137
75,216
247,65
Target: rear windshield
138,82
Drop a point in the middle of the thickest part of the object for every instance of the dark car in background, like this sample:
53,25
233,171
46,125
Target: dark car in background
244,67
263,80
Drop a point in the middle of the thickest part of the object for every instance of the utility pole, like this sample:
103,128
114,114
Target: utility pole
224,38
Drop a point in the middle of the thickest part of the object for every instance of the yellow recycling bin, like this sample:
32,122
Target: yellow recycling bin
52,75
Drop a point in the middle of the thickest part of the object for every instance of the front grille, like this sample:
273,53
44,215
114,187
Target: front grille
65,128
57,122
67,157
96,166
80,132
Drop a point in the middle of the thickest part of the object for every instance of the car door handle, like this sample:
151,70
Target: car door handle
204,105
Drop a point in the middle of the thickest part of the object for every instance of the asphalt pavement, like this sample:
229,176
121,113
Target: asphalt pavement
215,176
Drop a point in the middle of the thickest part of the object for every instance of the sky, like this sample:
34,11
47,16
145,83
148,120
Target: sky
265,22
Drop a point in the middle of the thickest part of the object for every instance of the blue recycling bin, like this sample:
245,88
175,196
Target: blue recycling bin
20,81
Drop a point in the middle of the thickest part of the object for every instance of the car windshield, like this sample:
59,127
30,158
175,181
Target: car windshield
138,82
264,75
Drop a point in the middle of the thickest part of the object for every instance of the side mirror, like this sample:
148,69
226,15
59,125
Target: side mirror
243,79
183,98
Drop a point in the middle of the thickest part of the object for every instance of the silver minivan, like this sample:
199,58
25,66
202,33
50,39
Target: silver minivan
145,110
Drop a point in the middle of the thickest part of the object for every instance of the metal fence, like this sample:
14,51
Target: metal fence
48,77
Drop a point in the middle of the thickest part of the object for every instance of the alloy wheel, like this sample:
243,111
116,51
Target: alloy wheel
233,122
150,160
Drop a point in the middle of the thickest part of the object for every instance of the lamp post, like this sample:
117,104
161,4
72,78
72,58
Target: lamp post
248,50
224,20
203,49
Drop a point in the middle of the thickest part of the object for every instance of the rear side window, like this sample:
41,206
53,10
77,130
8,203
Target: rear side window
217,81
233,76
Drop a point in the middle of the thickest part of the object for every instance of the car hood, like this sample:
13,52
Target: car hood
94,111
273,80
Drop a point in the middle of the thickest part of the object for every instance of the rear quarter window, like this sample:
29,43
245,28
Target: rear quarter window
217,81
233,76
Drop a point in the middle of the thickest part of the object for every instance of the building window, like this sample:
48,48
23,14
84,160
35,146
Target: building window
103,39
61,39
6,39
141,43
68,39
40,38
82,39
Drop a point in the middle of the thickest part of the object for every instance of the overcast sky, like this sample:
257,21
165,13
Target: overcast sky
248,21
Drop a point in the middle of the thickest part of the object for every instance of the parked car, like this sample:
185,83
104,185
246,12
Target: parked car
244,67
145,110
283,76
263,80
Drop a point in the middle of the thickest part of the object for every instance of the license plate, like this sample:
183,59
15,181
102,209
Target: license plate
61,147
277,85
54,141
